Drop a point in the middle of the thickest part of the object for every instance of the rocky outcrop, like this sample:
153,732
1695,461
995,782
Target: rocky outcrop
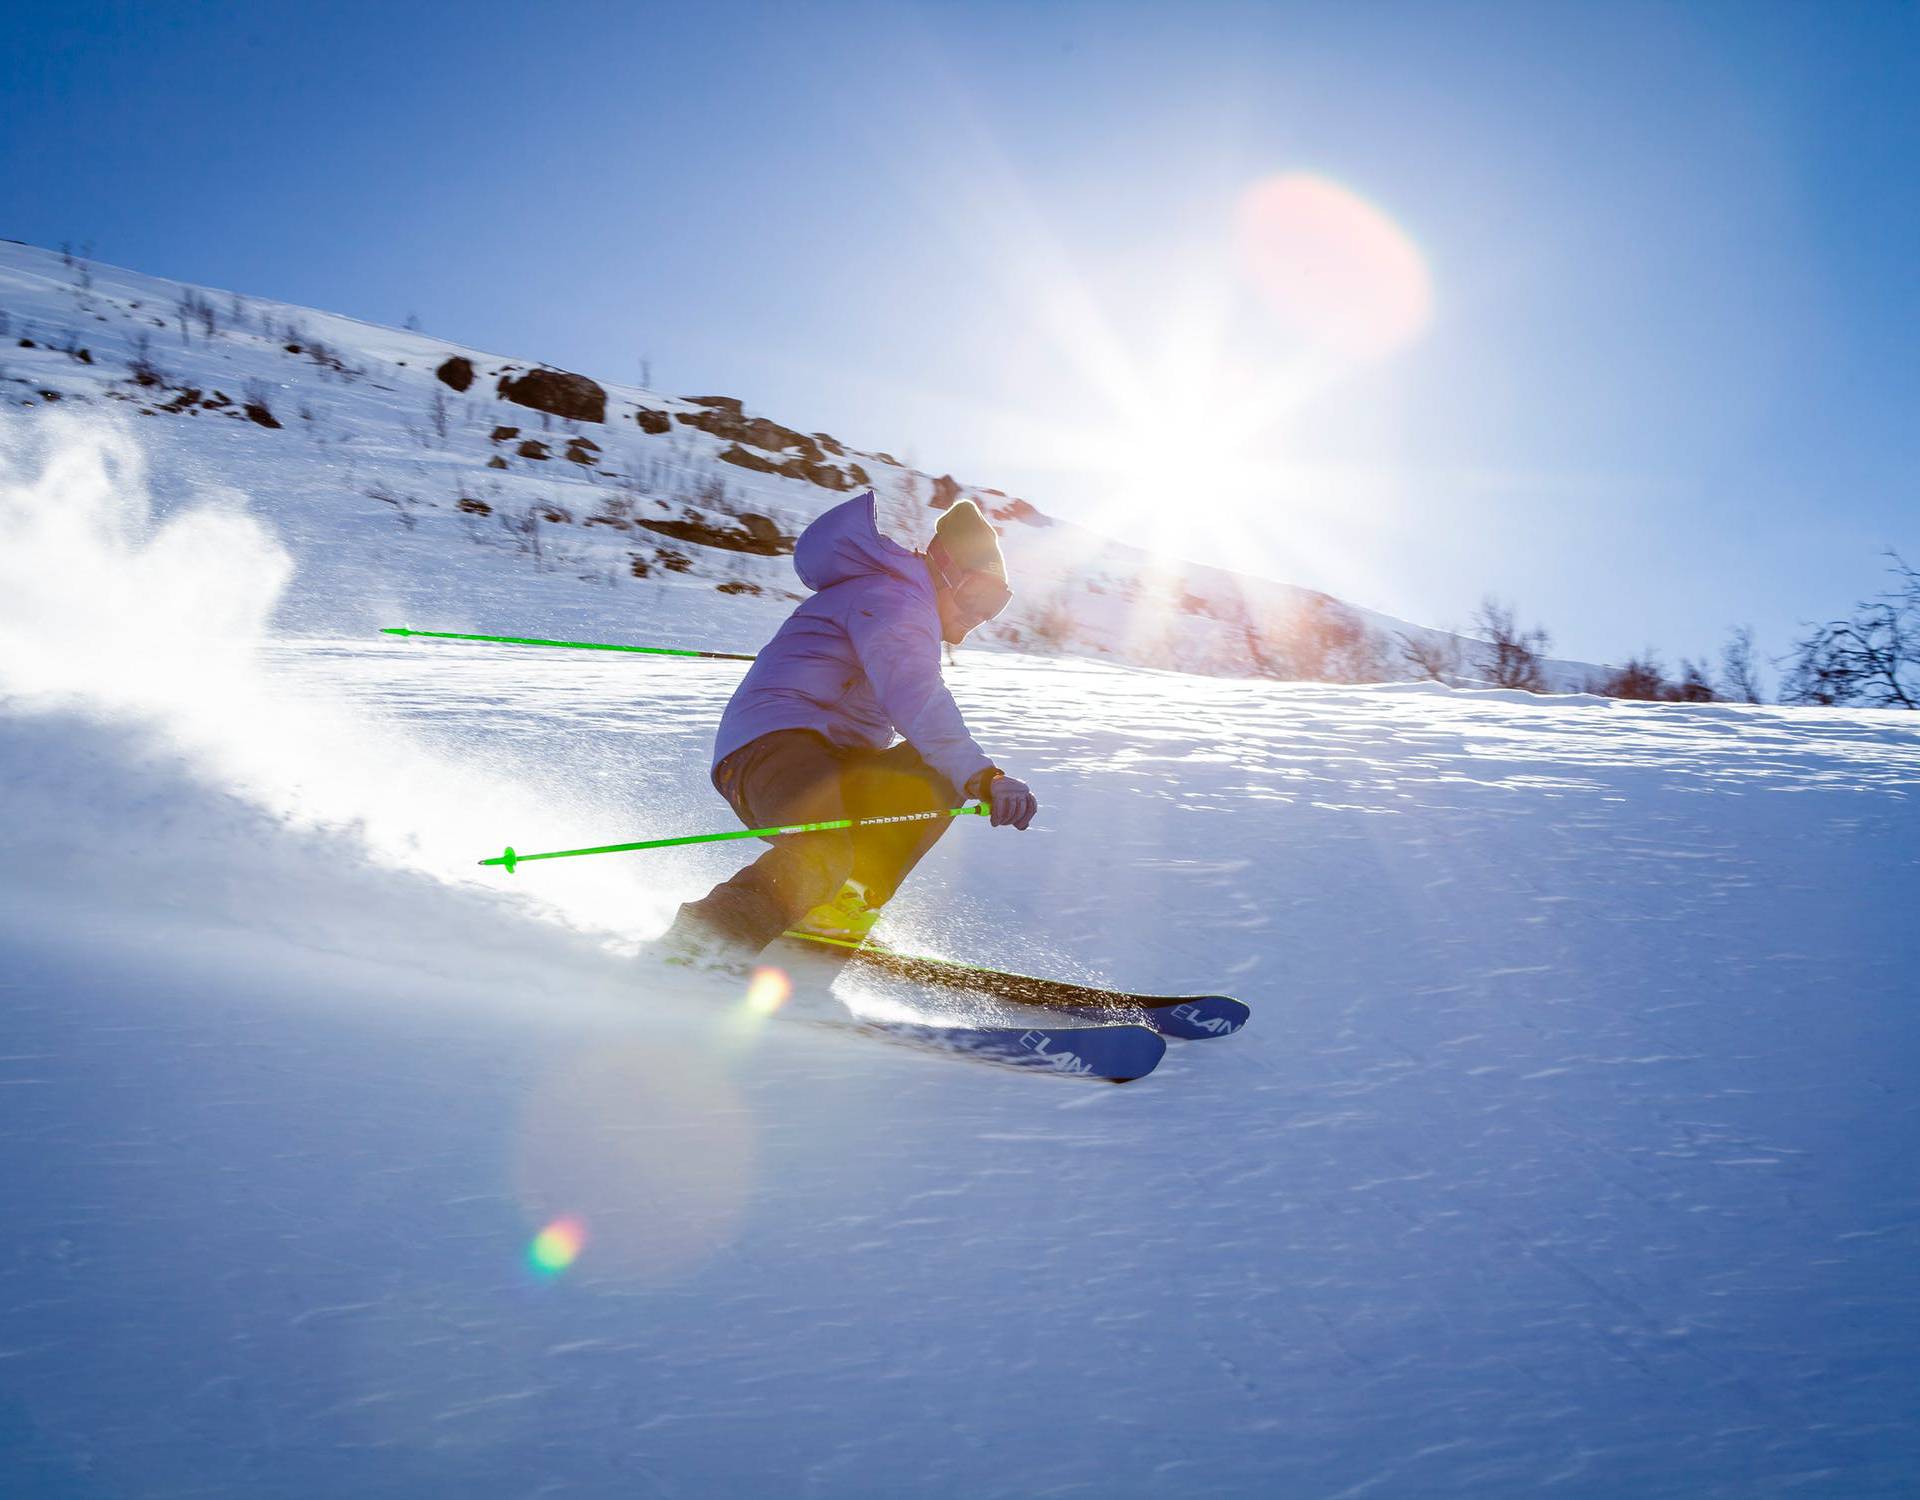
813,471
456,372
764,531
756,534
744,458
1019,510
557,391
750,441
723,418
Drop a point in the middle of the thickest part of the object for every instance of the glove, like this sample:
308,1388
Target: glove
1011,801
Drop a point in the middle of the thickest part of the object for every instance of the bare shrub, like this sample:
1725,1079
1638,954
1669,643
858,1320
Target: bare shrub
1739,674
1323,640
703,489
255,401
193,308
140,365
327,358
403,504
1436,658
1693,684
1871,658
1051,623
1641,679
524,528
1510,657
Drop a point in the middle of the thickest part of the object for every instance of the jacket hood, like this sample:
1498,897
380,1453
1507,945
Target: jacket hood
845,542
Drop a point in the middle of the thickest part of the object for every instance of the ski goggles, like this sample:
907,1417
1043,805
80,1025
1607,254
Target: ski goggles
980,595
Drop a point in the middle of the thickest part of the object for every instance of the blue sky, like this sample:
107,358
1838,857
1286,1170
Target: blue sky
1668,383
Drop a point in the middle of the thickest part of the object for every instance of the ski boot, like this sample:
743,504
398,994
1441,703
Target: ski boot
845,919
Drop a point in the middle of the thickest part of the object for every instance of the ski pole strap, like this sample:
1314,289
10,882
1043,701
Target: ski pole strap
528,640
510,859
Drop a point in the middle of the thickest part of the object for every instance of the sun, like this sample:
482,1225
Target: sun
1310,286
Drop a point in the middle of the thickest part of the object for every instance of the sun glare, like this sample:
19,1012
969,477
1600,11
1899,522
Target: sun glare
1184,363
1196,459
1334,269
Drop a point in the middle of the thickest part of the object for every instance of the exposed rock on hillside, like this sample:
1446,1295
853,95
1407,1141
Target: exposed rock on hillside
723,418
557,391
756,534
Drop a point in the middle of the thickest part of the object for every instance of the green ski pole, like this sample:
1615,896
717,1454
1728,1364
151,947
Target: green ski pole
510,859
528,640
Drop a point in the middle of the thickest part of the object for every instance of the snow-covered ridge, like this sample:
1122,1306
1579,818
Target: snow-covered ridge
506,494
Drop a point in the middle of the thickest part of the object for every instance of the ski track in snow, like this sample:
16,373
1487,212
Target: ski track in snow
1569,1150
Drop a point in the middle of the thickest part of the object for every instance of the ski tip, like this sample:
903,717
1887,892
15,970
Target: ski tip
1119,1054
1152,1048
1200,1017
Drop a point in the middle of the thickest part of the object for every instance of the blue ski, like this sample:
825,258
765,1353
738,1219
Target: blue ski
1191,1017
1118,1054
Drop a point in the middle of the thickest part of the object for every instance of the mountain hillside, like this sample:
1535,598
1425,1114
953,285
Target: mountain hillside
459,490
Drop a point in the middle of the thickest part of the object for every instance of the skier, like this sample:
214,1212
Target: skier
808,736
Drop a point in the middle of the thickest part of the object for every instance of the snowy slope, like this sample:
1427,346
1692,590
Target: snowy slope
407,502
1570,1147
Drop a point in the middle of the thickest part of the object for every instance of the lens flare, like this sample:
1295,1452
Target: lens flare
767,991
557,1246
1333,267
650,1146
